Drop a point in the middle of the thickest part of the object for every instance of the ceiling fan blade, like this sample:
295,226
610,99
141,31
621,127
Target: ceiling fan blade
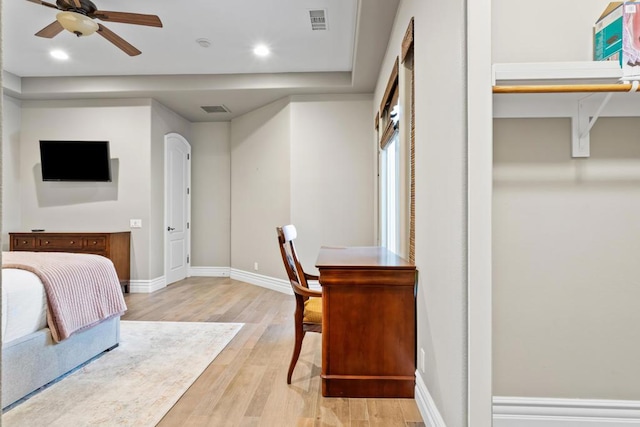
50,31
128,18
44,3
117,41
77,3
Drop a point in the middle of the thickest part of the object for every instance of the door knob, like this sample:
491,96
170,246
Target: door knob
170,228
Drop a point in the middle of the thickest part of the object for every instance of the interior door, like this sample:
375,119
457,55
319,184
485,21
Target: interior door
177,211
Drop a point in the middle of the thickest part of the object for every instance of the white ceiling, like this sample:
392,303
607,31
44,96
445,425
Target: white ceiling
175,70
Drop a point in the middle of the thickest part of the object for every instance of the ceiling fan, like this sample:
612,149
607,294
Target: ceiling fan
77,16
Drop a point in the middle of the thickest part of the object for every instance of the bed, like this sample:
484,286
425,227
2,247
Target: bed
59,310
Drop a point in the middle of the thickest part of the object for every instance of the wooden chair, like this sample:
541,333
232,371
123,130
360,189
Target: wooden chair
308,314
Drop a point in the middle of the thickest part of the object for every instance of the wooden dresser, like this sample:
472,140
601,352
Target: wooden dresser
115,246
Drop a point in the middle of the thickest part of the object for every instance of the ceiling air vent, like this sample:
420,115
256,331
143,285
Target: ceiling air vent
215,109
318,19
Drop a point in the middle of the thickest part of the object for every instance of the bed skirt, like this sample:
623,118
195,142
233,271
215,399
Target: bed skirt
33,361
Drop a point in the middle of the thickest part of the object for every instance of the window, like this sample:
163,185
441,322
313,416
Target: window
389,164
389,194
397,155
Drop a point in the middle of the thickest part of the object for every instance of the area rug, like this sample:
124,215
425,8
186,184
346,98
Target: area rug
132,385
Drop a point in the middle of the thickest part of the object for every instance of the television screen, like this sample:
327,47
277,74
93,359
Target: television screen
75,160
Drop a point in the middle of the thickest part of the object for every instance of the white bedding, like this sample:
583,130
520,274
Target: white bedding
24,304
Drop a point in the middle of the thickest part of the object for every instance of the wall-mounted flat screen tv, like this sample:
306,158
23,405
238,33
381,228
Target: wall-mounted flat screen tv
75,160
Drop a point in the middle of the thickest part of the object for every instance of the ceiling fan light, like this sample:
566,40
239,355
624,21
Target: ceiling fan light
77,23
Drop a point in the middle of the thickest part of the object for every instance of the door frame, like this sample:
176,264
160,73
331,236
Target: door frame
479,214
187,245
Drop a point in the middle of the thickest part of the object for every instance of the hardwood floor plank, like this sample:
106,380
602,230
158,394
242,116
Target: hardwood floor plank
333,412
246,384
259,398
358,410
233,403
410,411
385,413
250,422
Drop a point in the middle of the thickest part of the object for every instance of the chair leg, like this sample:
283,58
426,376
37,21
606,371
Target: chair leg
296,352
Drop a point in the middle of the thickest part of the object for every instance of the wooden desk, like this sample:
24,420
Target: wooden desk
368,323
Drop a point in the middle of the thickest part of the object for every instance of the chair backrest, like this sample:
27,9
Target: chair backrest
286,235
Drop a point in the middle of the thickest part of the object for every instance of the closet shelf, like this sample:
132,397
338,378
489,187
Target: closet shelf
561,74
553,89
561,77
582,91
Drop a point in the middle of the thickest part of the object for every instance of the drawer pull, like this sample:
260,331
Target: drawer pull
95,243
71,242
24,242
46,242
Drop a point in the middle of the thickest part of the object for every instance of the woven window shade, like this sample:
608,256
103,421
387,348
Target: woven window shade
392,84
390,98
408,61
407,42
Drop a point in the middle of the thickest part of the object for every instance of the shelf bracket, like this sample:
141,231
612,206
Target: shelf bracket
581,125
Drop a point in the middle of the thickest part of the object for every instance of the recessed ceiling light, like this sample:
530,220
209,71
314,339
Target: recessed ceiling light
261,50
58,54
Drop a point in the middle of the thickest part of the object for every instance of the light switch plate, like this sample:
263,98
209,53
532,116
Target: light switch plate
135,223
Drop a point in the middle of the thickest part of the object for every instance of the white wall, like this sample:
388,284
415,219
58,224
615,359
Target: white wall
260,187
70,206
566,272
301,160
331,173
441,192
11,122
545,30
211,194
135,130
242,178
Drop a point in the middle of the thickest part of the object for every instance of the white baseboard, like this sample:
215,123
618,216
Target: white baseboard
549,412
263,281
426,405
147,286
210,271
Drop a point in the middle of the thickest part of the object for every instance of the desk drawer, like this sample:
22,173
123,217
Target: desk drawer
67,242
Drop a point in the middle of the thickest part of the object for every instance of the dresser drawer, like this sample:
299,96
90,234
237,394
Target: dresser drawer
59,242
94,243
23,243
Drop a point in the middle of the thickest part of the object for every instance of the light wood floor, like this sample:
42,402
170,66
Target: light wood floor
246,384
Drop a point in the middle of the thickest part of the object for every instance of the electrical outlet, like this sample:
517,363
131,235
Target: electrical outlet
255,266
135,223
421,361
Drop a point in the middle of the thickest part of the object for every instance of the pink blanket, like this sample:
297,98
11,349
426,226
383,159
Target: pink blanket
82,289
